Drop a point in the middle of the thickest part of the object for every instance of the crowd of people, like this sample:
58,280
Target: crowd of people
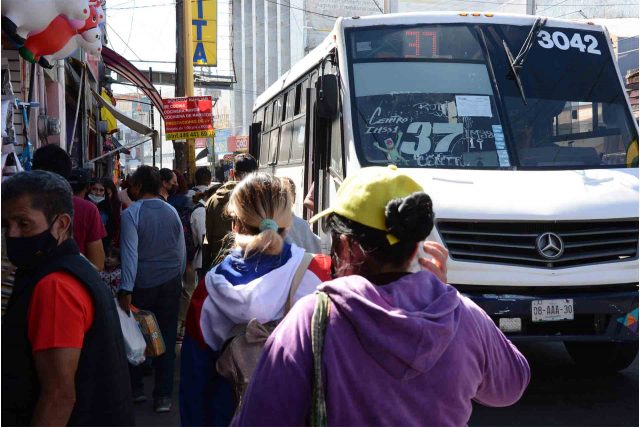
272,331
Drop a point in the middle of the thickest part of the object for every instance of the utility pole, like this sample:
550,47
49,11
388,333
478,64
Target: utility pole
190,145
531,7
153,146
179,147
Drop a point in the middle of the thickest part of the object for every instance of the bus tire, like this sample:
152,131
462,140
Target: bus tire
603,357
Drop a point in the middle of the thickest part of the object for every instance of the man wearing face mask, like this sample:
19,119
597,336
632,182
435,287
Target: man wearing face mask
153,254
169,183
62,346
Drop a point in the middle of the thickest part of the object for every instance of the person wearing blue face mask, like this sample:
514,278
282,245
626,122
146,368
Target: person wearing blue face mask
63,349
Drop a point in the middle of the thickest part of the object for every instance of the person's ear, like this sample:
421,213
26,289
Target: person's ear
60,228
414,254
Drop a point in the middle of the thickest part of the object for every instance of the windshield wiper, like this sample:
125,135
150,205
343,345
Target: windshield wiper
516,64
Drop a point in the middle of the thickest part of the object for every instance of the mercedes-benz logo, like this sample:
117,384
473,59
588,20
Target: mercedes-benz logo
550,245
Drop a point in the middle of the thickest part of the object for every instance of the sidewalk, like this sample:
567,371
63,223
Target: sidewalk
146,416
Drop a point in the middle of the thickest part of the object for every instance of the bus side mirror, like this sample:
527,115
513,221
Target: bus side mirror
327,96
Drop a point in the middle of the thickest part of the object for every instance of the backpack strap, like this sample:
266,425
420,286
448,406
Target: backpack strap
319,322
297,279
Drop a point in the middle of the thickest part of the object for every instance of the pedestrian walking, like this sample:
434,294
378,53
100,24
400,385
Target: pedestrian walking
203,181
115,211
300,232
63,356
88,230
184,206
198,228
104,195
179,196
153,260
254,281
169,183
123,194
219,171
218,224
380,345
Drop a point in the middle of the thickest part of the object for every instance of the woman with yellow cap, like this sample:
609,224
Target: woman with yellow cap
380,345
260,279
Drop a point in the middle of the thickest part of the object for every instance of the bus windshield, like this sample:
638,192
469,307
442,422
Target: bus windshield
425,96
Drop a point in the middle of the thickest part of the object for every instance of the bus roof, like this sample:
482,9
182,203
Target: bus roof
414,18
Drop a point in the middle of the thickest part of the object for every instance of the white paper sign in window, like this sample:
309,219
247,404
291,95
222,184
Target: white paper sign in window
473,106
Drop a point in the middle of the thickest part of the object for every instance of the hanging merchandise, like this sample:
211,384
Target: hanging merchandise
112,123
10,164
61,38
21,17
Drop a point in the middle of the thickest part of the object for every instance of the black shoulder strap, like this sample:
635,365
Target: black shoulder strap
319,322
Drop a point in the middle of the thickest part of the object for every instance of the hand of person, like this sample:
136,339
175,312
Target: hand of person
125,303
437,264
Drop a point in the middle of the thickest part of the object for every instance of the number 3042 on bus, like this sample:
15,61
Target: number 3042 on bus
551,310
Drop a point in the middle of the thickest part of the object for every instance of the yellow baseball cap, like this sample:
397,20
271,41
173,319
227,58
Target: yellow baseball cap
363,196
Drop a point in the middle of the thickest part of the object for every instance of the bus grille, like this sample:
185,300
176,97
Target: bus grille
523,243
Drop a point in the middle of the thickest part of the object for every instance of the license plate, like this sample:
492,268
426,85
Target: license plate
551,310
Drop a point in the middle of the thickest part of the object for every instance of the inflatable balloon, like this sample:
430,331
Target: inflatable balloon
21,17
97,5
56,36
90,41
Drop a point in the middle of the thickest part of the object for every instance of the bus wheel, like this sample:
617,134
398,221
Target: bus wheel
604,357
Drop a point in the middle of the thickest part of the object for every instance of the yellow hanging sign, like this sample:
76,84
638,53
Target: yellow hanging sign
204,32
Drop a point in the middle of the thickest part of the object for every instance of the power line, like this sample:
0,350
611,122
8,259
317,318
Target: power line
133,14
570,13
122,40
552,6
302,9
378,6
506,3
270,1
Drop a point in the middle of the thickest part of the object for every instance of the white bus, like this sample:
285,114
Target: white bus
518,127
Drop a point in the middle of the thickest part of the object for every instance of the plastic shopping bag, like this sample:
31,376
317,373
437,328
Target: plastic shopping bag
134,343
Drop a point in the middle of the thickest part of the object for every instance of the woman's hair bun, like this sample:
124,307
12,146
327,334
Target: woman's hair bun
410,218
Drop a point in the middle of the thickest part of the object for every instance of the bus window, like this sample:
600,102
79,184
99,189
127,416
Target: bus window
285,143
290,103
436,110
301,97
268,114
297,141
336,148
264,150
273,145
277,112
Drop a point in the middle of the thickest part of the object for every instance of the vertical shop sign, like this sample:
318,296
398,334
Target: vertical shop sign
204,32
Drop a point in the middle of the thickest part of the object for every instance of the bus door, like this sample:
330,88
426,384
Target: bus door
327,130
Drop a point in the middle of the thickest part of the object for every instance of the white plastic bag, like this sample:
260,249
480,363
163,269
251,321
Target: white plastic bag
134,343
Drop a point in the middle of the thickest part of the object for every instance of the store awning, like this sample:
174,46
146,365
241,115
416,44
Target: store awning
136,126
120,65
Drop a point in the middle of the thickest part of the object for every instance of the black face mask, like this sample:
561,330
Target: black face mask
28,252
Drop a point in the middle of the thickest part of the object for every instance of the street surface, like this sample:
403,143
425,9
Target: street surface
559,395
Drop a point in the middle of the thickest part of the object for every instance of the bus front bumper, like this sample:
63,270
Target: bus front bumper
599,314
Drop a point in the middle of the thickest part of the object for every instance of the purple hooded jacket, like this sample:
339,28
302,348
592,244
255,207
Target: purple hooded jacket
413,352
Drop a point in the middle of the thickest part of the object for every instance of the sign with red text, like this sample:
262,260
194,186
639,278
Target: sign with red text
238,143
189,117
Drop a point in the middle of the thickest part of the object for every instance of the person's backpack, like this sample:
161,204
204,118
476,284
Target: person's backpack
241,352
185,218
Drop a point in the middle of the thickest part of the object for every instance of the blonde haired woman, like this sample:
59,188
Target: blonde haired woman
253,281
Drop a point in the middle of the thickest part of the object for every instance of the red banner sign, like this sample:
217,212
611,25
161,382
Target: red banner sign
190,117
